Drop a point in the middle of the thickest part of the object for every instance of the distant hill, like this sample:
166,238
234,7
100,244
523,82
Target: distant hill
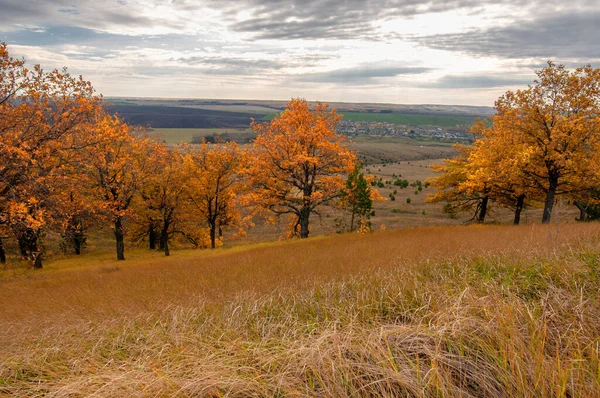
206,113
156,116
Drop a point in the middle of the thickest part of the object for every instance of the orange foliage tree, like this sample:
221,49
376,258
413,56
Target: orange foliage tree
213,185
555,124
297,162
455,188
543,142
114,169
41,116
493,163
162,197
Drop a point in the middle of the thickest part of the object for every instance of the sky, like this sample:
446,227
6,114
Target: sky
455,52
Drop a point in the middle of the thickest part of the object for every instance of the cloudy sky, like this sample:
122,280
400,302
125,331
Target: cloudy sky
399,51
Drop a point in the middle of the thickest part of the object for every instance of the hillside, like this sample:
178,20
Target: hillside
191,113
264,106
446,311
159,116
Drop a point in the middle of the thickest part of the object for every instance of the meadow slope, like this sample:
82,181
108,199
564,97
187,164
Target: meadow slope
447,311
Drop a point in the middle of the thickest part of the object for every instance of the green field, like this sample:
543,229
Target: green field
401,118
177,136
410,119
421,115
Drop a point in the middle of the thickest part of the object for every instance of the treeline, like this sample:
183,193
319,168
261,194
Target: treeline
542,144
67,164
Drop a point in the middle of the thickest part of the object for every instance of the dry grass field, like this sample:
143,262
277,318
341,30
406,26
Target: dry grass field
399,214
429,308
380,149
478,311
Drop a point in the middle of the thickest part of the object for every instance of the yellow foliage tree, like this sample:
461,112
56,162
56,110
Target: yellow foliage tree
213,185
455,188
114,169
544,141
162,196
495,161
554,128
42,114
297,163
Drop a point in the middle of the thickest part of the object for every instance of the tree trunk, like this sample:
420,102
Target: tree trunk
582,214
352,222
151,237
164,238
582,211
22,245
550,195
482,210
119,238
28,241
2,253
37,260
79,238
77,245
518,209
304,214
213,234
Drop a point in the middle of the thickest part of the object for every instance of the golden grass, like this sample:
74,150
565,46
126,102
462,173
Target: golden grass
448,311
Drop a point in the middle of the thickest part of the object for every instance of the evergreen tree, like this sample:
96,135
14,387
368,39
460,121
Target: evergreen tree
357,196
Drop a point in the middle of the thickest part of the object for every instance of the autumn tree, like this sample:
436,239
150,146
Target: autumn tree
588,204
298,161
543,142
114,169
74,219
213,183
555,125
162,197
456,190
41,115
491,164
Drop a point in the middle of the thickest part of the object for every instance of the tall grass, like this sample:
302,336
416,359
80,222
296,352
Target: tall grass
434,312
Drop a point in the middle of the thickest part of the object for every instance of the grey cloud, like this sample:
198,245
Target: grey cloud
59,35
73,11
262,64
249,66
562,35
312,60
101,15
348,19
366,74
264,19
235,63
318,19
479,81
